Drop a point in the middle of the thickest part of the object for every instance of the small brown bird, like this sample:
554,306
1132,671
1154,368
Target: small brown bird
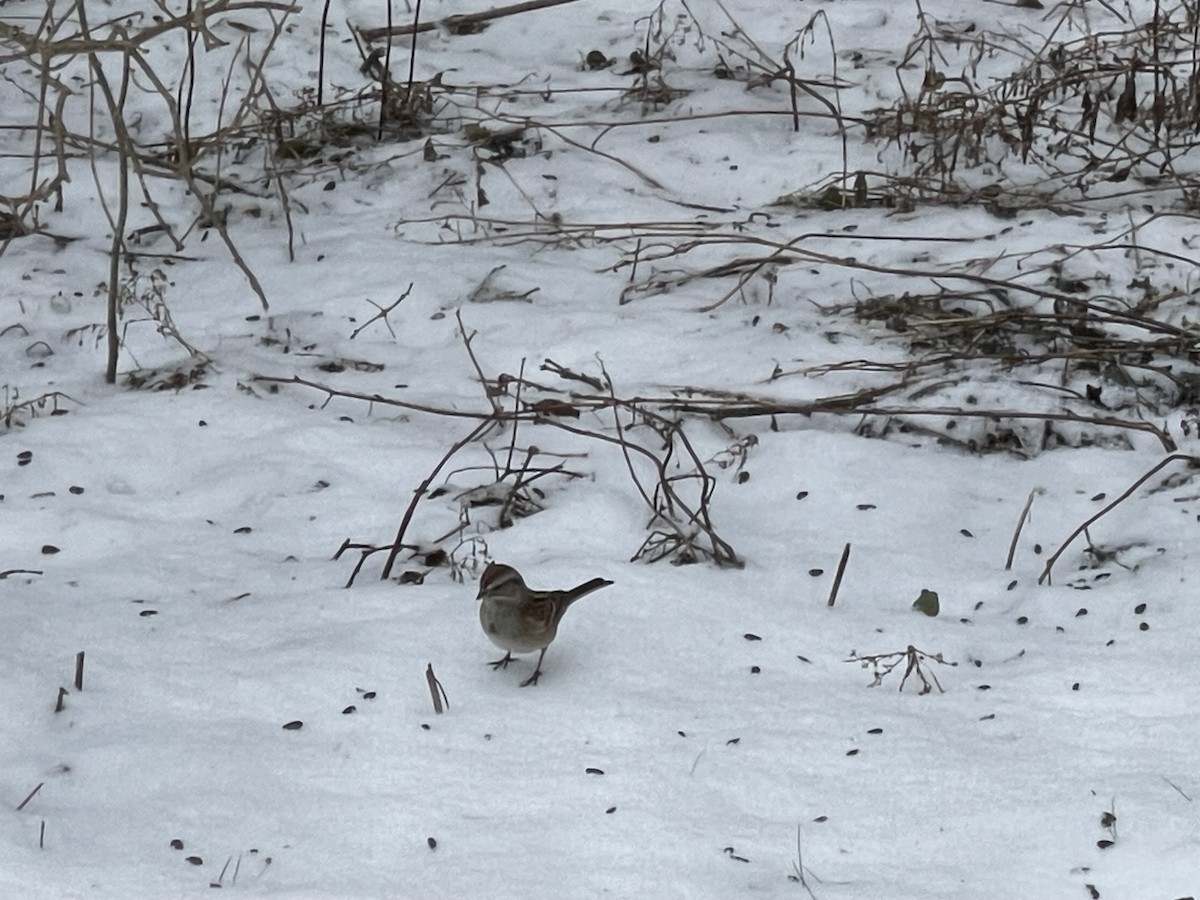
520,620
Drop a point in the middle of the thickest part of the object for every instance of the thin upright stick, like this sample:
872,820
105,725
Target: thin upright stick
436,691
837,578
1012,547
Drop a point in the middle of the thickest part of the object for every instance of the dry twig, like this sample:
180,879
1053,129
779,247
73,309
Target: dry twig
1175,457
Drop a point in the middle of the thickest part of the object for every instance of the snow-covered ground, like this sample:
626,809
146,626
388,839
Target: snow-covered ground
691,721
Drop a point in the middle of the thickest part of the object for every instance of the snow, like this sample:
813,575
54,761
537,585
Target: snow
690,719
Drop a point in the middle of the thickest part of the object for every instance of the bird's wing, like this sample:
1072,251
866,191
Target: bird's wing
538,616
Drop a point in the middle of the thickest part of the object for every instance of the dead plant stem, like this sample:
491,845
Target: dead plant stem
1174,457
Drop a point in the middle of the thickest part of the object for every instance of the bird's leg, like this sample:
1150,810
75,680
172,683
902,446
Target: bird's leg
503,662
532,679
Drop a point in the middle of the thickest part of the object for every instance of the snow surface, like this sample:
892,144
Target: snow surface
690,719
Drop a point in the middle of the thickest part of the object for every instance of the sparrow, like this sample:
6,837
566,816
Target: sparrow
518,619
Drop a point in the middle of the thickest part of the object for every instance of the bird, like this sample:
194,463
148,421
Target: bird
518,619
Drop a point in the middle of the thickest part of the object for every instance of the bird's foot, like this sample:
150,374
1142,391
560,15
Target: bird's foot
503,662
